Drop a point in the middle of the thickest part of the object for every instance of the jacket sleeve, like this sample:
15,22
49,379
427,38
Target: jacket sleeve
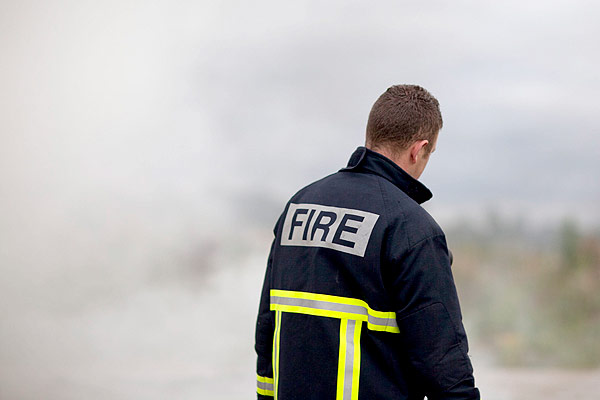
430,321
264,338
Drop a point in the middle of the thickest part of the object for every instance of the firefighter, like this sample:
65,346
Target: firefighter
358,300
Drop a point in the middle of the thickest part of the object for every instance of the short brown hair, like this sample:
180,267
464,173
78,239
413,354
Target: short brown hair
402,115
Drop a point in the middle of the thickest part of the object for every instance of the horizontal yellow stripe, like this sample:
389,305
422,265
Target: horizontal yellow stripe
264,379
390,329
318,312
264,392
319,297
332,299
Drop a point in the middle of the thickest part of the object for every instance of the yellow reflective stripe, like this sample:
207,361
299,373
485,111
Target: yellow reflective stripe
351,313
276,349
356,361
264,392
325,305
317,296
264,385
348,360
342,360
317,312
264,379
390,329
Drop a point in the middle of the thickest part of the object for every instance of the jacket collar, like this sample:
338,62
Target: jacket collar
365,160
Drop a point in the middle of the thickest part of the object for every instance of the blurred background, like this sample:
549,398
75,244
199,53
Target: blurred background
148,147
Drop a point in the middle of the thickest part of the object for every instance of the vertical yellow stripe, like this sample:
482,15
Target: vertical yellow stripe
356,362
276,350
342,360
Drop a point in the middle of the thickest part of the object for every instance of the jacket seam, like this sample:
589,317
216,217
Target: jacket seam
387,247
421,309
435,235
385,206
456,341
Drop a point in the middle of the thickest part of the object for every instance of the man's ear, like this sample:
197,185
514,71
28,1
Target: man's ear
415,149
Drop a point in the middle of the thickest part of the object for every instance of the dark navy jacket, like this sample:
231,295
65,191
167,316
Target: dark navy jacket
359,300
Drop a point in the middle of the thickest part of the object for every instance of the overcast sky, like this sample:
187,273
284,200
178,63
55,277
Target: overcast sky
134,133
181,105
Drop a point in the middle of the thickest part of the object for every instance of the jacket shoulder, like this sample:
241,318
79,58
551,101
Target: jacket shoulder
407,217
343,189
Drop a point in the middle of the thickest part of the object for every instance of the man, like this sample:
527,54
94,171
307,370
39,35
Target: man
359,300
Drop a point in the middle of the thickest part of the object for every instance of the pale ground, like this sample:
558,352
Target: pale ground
521,384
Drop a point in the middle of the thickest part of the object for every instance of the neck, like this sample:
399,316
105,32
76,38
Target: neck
401,159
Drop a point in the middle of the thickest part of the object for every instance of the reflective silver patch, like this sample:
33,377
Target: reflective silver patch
314,225
264,386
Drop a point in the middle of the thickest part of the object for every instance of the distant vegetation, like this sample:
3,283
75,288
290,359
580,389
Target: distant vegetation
531,296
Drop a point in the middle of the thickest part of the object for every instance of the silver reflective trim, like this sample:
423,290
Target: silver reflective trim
338,307
319,305
383,321
349,368
265,385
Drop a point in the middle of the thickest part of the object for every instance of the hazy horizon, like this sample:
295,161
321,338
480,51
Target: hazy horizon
148,147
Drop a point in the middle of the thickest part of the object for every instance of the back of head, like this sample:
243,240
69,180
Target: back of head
402,115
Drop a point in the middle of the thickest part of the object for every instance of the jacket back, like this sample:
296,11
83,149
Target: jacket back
359,300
